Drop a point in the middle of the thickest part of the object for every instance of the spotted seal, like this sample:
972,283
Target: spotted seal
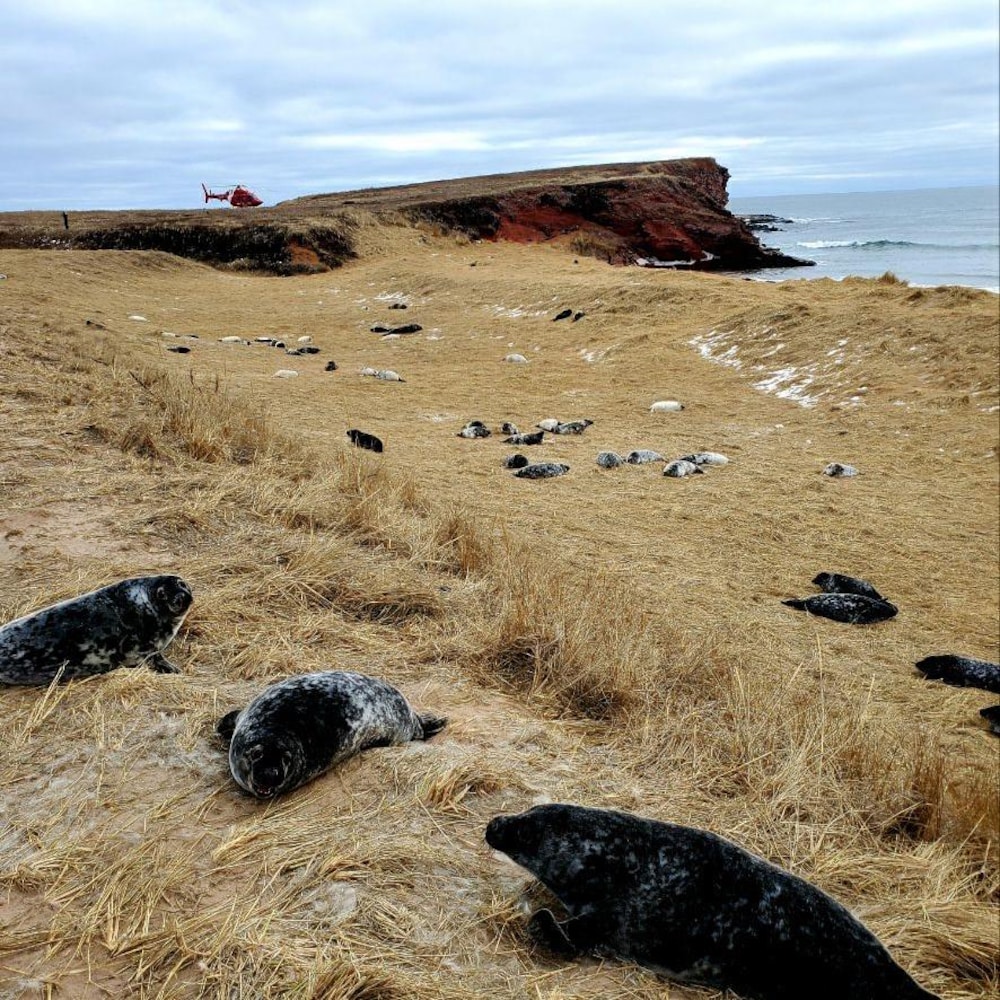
706,458
643,456
961,671
854,609
609,459
474,429
681,467
838,583
572,427
534,437
300,727
992,716
542,470
125,624
839,470
694,906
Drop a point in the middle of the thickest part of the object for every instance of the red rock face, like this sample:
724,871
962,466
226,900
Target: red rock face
671,213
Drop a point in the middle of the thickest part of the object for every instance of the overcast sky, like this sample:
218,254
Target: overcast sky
132,104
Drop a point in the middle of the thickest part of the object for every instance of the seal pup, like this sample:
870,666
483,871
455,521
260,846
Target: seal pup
474,429
286,373
573,427
681,467
694,906
666,406
331,366
961,671
706,458
388,375
364,440
300,727
542,470
516,359
840,471
854,609
535,437
515,461
179,349
564,314
508,428
643,457
124,624
609,459
838,583
548,424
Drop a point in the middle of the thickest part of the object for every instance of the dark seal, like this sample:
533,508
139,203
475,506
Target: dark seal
838,583
364,440
515,461
854,609
693,906
303,726
126,624
961,671
992,716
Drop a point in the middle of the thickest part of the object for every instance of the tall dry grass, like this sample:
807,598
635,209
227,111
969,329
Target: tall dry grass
131,865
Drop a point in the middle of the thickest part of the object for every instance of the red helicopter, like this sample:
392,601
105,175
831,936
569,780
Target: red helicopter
238,196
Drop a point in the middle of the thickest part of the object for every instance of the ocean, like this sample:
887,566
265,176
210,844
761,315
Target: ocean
933,236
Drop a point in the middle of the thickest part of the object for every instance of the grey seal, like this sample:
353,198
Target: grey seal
992,716
515,461
964,671
839,470
854,609
681,467
300,727
362,439
706,458
572,427
125,624
961,671
609,459
474,429
542,470
535,437
643,457
838,583
694,906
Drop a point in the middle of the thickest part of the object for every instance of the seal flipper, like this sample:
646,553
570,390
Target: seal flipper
226,726
550,934
797,603
432,725
572,937
159,664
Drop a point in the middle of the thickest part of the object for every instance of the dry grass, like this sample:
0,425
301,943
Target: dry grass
611,638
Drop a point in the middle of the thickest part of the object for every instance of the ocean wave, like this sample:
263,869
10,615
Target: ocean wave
882,244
